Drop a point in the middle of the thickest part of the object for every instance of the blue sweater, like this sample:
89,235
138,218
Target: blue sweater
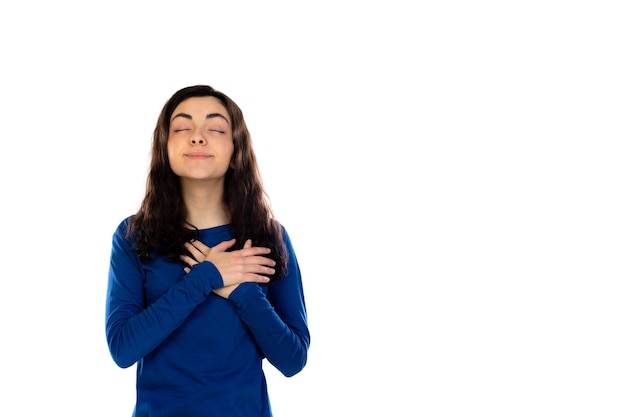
197,353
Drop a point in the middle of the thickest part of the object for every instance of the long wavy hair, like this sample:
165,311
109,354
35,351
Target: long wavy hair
161,224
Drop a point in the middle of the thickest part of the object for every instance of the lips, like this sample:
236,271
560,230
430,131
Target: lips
197,155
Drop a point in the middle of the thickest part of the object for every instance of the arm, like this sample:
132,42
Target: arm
132,329
277,322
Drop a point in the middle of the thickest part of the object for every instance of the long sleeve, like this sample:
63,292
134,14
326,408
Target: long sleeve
133,328
278,321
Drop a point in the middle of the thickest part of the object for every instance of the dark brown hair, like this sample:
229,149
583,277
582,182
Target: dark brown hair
160,223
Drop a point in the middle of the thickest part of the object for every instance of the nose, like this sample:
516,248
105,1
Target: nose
197,138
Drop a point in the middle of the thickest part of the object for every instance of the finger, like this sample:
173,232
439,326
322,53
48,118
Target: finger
188,260
259,260
266,270
248,244
260,269
200,246
255,251
259,278
194,248
223,246
195,253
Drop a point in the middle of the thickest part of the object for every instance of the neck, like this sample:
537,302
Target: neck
205,204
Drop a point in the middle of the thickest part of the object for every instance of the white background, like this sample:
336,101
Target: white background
451,174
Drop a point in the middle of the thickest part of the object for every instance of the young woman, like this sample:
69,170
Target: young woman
204,283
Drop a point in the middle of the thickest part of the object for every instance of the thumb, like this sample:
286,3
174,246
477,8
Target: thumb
248,244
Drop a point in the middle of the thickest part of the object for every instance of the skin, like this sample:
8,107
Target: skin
200,150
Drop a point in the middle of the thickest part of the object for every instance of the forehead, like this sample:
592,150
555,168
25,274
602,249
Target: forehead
200,107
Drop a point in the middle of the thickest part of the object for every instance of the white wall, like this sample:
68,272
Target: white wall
451,173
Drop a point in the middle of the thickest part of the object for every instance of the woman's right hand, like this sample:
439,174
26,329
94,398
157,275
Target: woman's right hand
243,265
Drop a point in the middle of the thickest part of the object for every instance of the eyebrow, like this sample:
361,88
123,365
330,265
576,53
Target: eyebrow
208,116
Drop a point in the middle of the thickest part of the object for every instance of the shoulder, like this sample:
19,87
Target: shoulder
124,225
280,228
121,232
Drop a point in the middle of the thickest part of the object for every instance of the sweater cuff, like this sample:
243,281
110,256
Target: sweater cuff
245,294
212,277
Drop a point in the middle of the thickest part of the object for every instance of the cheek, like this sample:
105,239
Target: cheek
171,152
173,147
169,156
227,148
233,157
